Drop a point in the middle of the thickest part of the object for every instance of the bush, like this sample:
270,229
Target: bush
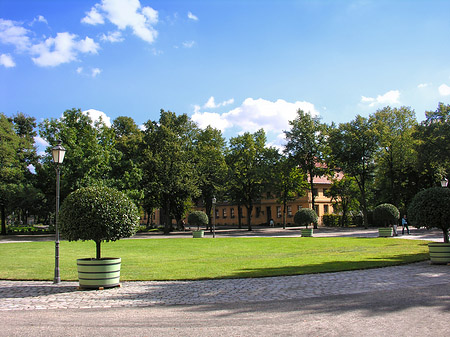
331,220
386,214
198,218
306,216
430,208
98,214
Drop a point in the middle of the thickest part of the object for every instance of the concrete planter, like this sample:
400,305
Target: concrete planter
102,273
385,232
307,232
439,252
198,234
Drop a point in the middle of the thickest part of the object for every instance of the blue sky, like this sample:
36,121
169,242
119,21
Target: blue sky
237,65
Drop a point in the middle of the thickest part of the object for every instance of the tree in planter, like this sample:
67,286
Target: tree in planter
386,214
98,214
306,216
198,218
430,208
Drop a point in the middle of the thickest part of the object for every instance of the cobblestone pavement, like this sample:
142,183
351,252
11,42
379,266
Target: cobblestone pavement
33,295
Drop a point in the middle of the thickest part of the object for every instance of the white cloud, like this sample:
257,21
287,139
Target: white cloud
124,14
7,61
391,97
423,85
96,71
192,16
188,44
112,37
93,17
39,18
95,115
62,49
12,32
79,70
253,115
212,104
444,90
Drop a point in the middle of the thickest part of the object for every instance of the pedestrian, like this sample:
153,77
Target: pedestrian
405,224
271,223
394,226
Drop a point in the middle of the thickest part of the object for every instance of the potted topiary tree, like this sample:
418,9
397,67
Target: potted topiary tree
430,208
98,214
387,215
305,217
198,218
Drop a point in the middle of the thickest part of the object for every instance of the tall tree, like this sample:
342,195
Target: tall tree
396,156
11,172
169,177
249,162
353,146
306,144
288,183
89,148
434,146
126,171
210,165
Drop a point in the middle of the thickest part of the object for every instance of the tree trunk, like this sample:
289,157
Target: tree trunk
239,216
249,216
313,198
445,232
284,215
97,245
3,219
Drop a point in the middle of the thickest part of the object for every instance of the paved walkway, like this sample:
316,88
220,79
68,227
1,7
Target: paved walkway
32,295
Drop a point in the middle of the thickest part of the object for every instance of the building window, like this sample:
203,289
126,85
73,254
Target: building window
316,208
325,209
315,192
232,213
224,213
289,211
278,211
217,213
258,211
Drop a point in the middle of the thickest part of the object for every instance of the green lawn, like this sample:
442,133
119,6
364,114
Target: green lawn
190,259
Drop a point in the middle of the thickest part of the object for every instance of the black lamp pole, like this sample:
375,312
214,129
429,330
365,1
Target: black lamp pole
58,153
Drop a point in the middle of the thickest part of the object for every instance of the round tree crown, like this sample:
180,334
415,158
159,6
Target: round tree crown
99,214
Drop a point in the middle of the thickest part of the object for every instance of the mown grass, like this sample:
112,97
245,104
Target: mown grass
191,259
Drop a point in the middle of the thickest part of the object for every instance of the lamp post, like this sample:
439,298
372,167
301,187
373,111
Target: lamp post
444,182
58,153
214,200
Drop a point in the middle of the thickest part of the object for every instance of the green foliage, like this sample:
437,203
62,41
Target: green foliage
353,146
386,214
98,214
169,177
198,218
306,145
430,208
306,216
332,220
343,192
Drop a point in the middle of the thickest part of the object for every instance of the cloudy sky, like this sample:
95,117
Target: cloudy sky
236,65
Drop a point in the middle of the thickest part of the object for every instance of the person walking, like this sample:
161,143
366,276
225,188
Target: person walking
405,224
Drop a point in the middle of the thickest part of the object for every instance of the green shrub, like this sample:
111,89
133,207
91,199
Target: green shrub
331,220
386,214
98,214
431,208
198,218
306,216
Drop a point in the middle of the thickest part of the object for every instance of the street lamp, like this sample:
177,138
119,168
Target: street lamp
58,153
444,182
214,200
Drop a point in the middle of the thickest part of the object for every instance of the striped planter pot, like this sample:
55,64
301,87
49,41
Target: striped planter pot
103,273
439,252
307,232
198,234
385,232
